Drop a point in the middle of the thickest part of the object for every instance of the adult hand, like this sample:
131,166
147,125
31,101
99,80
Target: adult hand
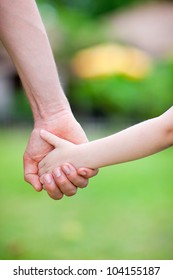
24,36
64,125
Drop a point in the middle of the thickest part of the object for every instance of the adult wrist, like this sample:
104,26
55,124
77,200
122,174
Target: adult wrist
51,118
49,107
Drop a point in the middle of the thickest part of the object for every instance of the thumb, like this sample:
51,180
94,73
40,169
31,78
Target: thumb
33,179
50,138
30,173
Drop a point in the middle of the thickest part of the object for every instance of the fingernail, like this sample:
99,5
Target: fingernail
57,172
66,169
48,178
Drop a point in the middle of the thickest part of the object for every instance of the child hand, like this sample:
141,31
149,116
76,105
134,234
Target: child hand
62,162
64,152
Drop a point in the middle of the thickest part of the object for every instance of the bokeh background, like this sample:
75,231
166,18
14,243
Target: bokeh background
115,61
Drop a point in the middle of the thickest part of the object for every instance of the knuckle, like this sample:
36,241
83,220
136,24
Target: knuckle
58,197
49,188
62,182
78,181
83,184
26,178
96,172
55,197
25,157
71,192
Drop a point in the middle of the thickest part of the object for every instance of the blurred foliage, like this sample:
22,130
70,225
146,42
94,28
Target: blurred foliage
92,8
22,107
76,28
119,95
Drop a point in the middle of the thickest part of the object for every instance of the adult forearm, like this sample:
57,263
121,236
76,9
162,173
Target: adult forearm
24,36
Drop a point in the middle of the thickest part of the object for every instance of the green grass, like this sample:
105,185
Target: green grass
125,213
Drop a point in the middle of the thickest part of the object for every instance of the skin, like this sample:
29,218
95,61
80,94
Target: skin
37,149
136,142
23,34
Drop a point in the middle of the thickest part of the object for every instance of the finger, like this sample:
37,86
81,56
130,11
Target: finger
41,179
51,188
50,138
73,177
42,169
63,183
87,173
41,164
30,173
33,179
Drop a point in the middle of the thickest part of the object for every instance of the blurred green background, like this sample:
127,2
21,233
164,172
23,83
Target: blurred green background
126,211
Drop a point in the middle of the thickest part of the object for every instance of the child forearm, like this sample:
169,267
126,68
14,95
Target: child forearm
136,142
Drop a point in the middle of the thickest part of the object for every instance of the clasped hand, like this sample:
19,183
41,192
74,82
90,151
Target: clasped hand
62,180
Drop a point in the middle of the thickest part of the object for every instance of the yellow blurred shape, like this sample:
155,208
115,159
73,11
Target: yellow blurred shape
110,59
